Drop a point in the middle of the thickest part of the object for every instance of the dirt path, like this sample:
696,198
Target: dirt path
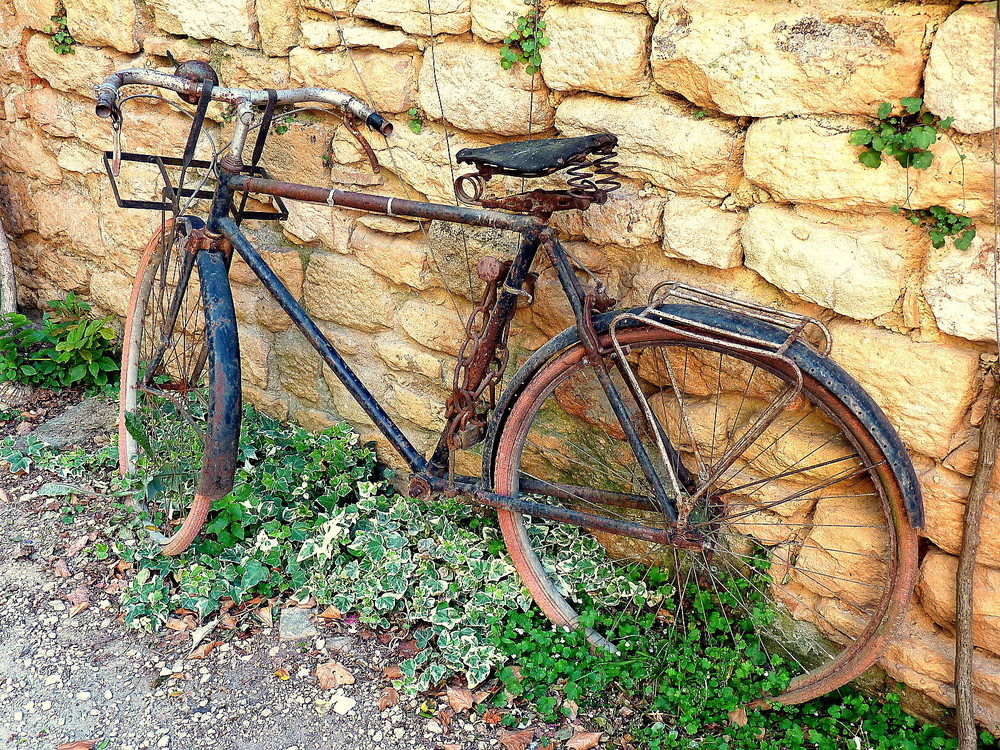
68,676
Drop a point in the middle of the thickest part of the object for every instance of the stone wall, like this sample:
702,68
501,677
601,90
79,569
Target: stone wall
733,121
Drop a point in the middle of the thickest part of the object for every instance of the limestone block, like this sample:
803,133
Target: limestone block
357,33
278,21
387,82
78,72
424,407
958,81
308,222
61,267
65,213
896,371
660,141
272,403
111,290
699,230
421,159
477,94
16,205
298,365
493,20
856,264
229,21
75,157
301,153
456,249
338,8
101,23
251,69
341,290
255,349
936,590
53,111
180,47
630,218
775,58
434,320
283,259
36,14
596,50
403,356
446,16
809,160
958,286
945,493
27,152
401,258
315,420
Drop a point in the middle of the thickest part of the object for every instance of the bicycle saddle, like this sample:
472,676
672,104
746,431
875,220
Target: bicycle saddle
535,158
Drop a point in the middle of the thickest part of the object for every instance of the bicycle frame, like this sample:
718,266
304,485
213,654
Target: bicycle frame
433,473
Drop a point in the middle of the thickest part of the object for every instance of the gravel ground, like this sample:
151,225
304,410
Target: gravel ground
71,671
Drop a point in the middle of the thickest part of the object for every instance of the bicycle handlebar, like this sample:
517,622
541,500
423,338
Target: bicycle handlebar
107,95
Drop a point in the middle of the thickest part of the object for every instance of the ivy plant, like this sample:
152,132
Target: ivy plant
61,40
524,44
415,120
905,133
940,224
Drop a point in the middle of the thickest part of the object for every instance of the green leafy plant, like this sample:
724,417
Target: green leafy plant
524,44
940,224
67,348
281,124
415,120
60,40
905,134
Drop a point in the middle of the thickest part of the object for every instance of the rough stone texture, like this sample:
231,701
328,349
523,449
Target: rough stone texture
478,95
387,81
895,370
852,263
298,366
596,50
696,229
958,286
944,503
958,81
229,21
404,259
493,20
340,290
937,594
278,21
810,160
776,58
326,35
76,425
446,16
36,14
78,72
660,140
631,218
101,23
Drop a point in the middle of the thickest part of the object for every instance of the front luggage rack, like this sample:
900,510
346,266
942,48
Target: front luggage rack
171,194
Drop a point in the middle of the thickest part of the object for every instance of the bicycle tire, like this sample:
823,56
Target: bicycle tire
828,389
210,477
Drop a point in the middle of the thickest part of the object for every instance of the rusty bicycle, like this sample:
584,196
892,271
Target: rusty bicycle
709,449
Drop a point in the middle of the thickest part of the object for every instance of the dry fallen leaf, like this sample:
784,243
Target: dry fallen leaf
459,698
59,568
282,674
78,608
177,624
227,622
451,746
393,672
333,674
390,697
331,613
738,717
79,745
265,615
572,707
77,545
492,717
204,649
584,740
517,740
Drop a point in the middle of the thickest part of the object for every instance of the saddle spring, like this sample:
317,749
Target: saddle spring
595,176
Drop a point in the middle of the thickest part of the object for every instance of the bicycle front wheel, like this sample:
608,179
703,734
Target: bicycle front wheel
803,561
180,401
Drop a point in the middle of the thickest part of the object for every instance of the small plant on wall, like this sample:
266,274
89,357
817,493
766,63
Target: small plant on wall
524,44
61,40
415,120
907,134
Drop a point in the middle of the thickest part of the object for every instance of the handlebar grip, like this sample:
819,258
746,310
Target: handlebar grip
107,101
378,123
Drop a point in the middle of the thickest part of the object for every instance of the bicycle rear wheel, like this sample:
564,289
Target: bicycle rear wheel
180,401
806,560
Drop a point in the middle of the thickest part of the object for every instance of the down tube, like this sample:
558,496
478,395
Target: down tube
326,350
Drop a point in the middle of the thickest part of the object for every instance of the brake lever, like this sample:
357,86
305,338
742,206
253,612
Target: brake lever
365,145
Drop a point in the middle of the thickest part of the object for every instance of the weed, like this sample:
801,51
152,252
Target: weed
67,349
524,44
415,120
940,224
906,134
60,40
